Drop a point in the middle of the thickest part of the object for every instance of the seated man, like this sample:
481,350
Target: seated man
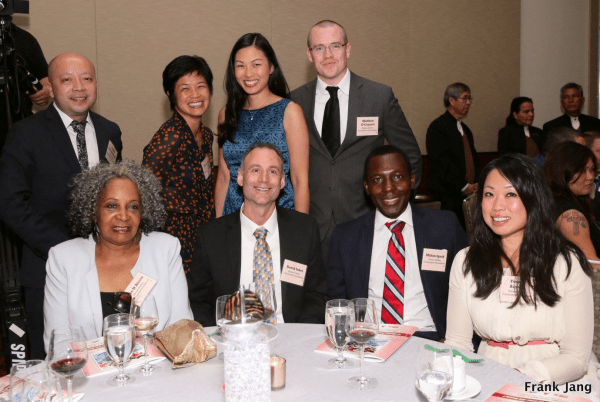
262,244
399,255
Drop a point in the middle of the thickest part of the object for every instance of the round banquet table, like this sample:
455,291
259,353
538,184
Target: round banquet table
309,378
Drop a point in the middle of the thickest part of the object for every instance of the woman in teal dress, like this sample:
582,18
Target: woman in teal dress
258,110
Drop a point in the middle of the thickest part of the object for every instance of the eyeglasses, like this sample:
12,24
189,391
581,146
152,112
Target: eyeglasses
466,98
333,48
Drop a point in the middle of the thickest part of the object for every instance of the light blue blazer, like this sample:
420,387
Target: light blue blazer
72,293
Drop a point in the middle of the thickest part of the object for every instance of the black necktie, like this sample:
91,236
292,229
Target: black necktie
79,128
331,122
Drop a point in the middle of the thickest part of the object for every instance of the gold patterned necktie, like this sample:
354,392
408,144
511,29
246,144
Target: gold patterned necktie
262,274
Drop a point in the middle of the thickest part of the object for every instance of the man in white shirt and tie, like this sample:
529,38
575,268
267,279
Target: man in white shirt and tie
42,153
347,116
572,101
262,244
399,255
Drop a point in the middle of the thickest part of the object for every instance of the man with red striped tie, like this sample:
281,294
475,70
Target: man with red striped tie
398,255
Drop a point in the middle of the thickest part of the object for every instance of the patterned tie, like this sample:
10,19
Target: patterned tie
79,128
262,275
392,311
330,133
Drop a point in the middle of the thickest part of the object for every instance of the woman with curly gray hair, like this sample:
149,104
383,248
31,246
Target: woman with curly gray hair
115,212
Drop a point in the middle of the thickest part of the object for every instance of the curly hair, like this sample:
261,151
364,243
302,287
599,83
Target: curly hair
89,185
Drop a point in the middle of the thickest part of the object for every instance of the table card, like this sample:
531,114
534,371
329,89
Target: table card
5,390
379,349
100,362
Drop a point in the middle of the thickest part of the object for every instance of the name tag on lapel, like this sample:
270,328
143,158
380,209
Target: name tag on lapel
509,289
366,126
206,168
293,272
140,286
111,153
434,260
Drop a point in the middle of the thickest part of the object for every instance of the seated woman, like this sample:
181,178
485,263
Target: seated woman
115,211
519,136
571,169
520,286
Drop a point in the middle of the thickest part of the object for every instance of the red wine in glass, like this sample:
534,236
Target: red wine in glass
68,366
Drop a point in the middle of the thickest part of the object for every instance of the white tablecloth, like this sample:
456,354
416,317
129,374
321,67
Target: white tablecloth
309,378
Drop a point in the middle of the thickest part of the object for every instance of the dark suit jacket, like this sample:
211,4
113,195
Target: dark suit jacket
36,166
216,266
447,155
511,138
336,183
587,123
349,264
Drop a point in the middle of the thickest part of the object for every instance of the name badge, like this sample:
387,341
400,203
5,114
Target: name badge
293,272
434,260
140,286
366,126
206,168
509,289
111,153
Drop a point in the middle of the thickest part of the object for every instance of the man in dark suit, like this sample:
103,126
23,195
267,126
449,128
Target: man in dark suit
454,163
359,259
261,244
347,116
360,249
572,100
42,153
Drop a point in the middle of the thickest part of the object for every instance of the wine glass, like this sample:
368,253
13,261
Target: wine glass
18,372
67,353
365,328
435,372
339,319
220,317
267,297
145,319
41,386
119,337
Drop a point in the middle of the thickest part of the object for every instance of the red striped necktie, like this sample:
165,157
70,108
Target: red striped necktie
392,310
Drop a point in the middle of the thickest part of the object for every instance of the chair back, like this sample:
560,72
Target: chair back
468,206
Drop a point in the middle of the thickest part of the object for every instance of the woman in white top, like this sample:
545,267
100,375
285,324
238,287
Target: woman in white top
520,286
115,211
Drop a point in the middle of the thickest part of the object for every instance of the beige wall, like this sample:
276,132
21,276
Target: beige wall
554,50
417,47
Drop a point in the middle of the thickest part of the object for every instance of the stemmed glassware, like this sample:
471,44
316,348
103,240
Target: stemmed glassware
366,325
435,373
339,320
67,353
220,317
119,336
18,372
267,299
145,319
40,386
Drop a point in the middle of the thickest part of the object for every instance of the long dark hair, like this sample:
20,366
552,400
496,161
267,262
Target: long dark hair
567,162
236,96
542,241
515,107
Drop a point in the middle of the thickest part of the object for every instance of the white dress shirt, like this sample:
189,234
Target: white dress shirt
575,122
91,143
321,98
526,128
416,311
248,242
